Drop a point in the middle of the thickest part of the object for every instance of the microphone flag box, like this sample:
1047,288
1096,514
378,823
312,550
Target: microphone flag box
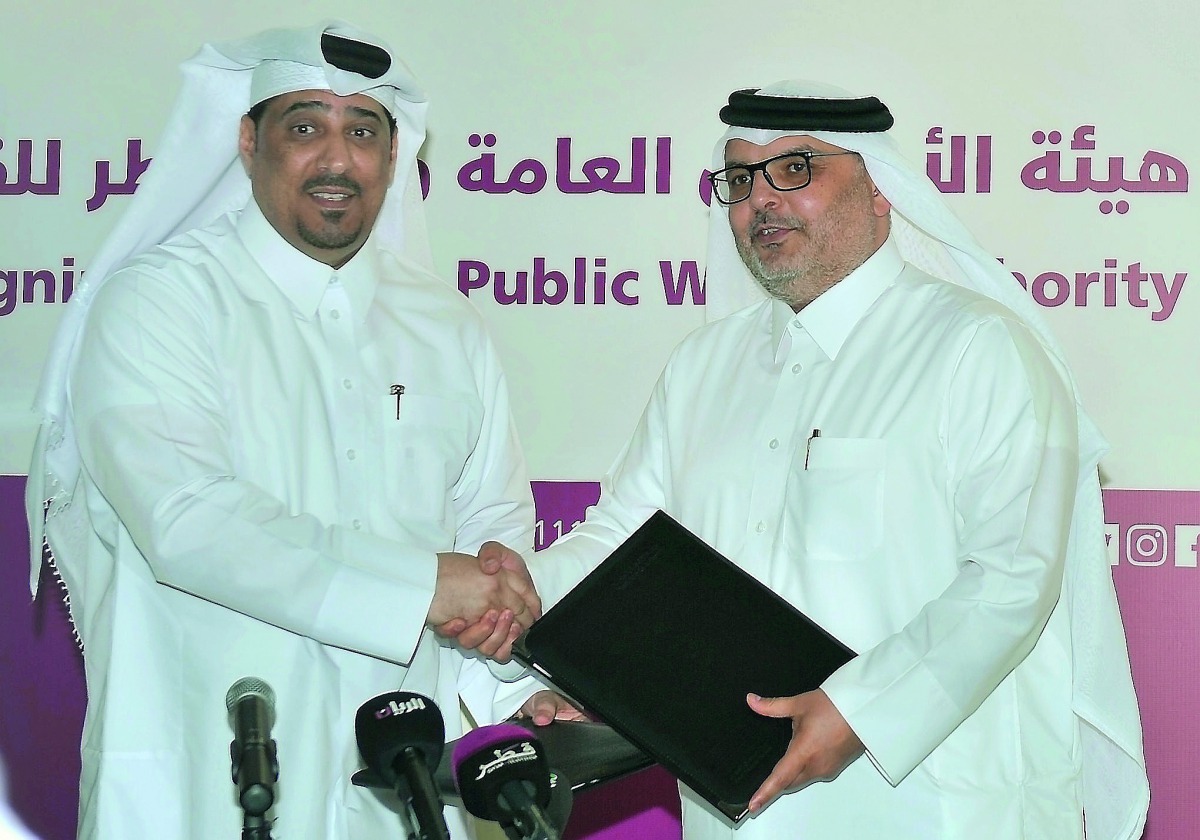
586,754
664,639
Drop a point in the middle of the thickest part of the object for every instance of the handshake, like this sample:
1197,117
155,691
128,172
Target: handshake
484,603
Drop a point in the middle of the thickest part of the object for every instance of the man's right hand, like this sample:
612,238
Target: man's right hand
493,634
465,592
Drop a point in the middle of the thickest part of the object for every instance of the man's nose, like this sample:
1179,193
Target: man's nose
762,194
335,154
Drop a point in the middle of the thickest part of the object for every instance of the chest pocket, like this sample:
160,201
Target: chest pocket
841,498
425,449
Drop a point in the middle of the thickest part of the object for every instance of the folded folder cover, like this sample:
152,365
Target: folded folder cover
664,639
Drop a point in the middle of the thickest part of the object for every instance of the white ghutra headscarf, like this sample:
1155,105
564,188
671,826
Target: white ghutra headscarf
1116,790
197,177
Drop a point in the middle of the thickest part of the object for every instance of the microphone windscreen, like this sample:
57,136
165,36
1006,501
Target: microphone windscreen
251,687
388,724
489,758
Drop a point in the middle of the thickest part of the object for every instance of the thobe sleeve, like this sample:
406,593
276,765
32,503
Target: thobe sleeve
147,398
1008,426
493,501
492,497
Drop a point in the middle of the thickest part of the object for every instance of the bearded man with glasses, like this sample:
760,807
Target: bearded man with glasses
890,440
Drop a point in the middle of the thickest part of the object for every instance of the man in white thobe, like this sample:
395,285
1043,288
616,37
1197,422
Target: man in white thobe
903,458
268,442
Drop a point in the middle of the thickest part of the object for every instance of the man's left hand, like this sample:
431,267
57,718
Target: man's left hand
822,744
548,706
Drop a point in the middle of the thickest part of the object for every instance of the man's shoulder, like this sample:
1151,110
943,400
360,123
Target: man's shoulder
410,286
187,265
715,345
951,317
942,300
735,327
186,252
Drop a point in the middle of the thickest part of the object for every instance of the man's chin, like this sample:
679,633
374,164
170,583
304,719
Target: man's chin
770,273
330,238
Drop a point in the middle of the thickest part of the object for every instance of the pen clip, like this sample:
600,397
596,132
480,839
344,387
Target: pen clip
397,391
816,433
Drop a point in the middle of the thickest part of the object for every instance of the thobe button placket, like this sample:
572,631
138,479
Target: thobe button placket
774,451
349,422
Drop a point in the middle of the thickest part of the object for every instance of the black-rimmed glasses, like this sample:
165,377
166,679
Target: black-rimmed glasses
792,171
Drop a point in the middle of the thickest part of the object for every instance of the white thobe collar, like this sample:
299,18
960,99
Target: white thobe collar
302,279
830,318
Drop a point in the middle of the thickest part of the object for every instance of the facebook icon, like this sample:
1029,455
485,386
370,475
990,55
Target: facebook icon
1187,545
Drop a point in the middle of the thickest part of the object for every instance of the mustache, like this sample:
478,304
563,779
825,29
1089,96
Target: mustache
341,181
765,220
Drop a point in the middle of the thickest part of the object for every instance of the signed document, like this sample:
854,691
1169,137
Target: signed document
663,640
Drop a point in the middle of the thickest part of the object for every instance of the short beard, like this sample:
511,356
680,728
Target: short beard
332,238
799,283
781,283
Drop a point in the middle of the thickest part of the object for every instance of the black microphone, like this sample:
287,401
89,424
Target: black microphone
502,775
557,812
400,736
559,809
251,706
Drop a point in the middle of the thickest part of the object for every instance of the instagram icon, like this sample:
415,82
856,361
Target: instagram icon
1152,528
1146,544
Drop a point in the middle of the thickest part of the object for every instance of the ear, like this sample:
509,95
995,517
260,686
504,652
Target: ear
247,143
395,151
879,203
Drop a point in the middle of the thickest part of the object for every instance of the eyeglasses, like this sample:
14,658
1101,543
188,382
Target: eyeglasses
792,171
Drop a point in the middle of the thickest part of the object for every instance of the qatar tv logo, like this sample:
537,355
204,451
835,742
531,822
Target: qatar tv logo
1152,544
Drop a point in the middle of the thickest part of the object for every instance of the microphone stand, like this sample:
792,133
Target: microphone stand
255,827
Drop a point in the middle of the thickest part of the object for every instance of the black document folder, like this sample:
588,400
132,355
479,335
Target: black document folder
663,640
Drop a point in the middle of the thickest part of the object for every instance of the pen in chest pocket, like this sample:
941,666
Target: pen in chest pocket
816,433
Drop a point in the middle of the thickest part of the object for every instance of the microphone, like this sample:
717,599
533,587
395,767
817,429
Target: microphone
561,800
400,736
502,775
557,812
251,706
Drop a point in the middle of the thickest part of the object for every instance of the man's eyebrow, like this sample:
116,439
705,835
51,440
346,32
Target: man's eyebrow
321,105
366,113
803,147
307,105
